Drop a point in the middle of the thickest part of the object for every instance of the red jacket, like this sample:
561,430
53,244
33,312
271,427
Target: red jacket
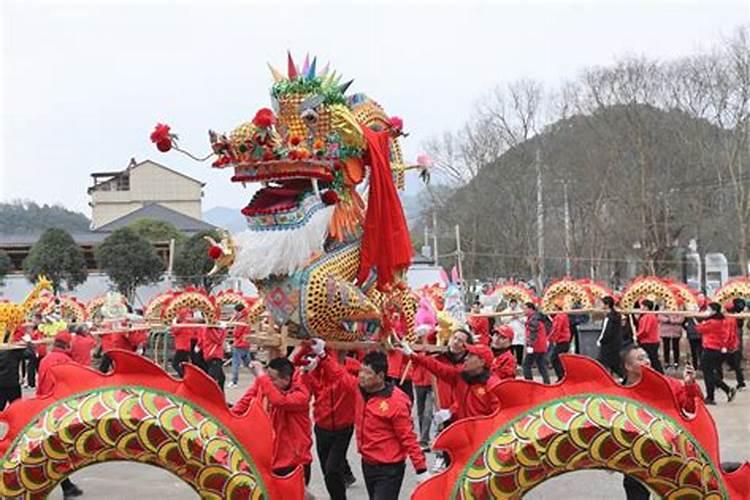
648,329
560,333
212,343
239,335
536,333
41,349
80,349
713,333
420,376
686,394
733,341
445,395
480,325
383,422
504,365
472,398
397,364
334,402
290,419
182,337
46,382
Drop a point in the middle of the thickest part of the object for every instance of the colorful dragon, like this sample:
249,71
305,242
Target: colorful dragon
324,260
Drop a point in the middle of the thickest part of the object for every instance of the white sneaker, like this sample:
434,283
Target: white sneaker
438,466
231,385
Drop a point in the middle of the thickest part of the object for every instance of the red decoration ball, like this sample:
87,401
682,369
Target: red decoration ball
330,197
214,252
164,145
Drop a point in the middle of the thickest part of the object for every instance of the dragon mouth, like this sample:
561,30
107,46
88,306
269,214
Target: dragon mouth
278,196
283,170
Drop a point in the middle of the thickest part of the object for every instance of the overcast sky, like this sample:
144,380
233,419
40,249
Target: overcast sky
84,83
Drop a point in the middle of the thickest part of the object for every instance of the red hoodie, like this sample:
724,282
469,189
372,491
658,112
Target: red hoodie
239,335
46,382
560,333
732,341
383,422
713,333
80,349
648,329
480,325
445,391
504,365
420,376
290,418
212,343
536,332
686,394
182,337
334,402
473,396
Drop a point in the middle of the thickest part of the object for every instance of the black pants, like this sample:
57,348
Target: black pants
425,410
383,481
634,490
177,360
8,395
31,369
105,364
696,349
671,344
197,357
557,349
653,355
734,360
538,359
215,370
711,363
288,470
518,351
332,446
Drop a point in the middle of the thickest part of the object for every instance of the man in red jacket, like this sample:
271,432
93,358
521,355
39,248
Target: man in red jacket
59,355
333,414
560,339
240,343
504,364
648,336
212,347
473,382
733,356
686,392
383,424
83,344
183,336
714,333
289,407
536,343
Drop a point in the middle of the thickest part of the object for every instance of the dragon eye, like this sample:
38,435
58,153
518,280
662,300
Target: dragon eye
309,116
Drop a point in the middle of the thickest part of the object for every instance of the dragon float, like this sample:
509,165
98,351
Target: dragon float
13,315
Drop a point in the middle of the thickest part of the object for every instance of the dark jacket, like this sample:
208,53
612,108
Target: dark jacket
9,362
611,340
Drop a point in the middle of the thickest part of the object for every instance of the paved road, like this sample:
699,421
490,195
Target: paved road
129,481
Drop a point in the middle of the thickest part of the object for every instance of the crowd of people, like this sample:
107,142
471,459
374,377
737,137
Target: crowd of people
319,396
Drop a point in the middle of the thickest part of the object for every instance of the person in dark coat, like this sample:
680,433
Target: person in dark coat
694,338
10,384
610,339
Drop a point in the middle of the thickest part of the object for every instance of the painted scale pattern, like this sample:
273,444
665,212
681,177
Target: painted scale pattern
650,287
570,291
586,432
132,424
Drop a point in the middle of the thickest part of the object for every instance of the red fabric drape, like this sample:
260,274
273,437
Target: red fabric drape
386,245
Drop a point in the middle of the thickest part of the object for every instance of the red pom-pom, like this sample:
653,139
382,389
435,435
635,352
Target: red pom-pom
215,252
330,197
396,123
164,145
264,118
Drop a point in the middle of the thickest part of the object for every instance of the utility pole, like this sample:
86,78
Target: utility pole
459,255
539,223
434,237
567,228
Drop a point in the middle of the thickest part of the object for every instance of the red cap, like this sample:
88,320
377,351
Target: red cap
63,337
483,352
505,331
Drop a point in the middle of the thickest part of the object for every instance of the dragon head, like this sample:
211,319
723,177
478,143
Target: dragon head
307,150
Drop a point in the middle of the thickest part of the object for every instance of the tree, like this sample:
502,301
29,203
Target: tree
156,231
5,265
129,260
26,216
58,257
192,263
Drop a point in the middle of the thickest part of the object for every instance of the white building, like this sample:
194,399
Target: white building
117,194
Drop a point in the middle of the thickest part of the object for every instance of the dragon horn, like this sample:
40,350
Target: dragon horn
325,70
311,69
291,68
277,77
306,64
344,86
